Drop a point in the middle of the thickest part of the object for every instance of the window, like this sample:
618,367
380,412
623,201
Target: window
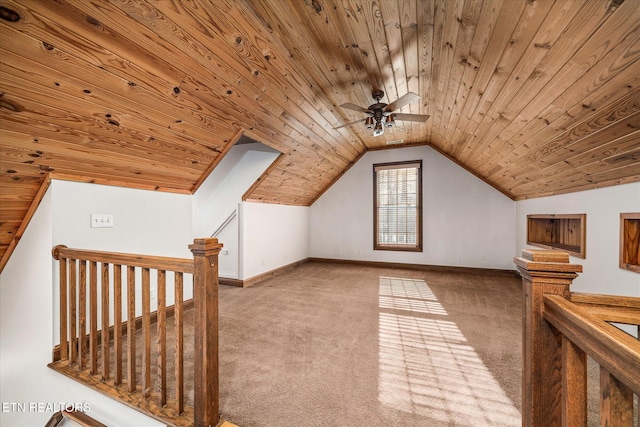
397,206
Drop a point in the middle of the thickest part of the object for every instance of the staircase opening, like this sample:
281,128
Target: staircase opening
216,204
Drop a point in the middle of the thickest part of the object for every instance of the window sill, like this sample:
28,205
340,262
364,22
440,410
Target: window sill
397,248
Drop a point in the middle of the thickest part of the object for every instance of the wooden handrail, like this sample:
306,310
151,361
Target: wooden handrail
183,265
610,308
224,223
560,329
55,420
613,349
82,418
78,417
608,300
93,299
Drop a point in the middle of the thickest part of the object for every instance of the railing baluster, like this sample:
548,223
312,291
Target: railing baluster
616,401
93,317
82,307
117,321
73,339
131,328
105,320
64,347
162,336
179,356
574,383
146,332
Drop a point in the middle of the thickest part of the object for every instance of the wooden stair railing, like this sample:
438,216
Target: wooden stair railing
560,330
79,418
84,352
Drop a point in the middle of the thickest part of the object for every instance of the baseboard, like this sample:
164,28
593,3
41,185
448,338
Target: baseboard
230,282
421,267
261,277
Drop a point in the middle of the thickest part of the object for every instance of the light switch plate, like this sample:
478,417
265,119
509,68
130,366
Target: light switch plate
101,220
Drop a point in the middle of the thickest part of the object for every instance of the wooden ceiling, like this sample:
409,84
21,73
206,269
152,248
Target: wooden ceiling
535,97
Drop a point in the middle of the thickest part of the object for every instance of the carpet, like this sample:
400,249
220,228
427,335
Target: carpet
343,345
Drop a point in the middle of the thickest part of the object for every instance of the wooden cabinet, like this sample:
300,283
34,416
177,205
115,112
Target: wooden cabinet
566,232
630,241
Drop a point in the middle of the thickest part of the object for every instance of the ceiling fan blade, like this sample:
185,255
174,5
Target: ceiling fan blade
351,123
354,107
411,117
405,99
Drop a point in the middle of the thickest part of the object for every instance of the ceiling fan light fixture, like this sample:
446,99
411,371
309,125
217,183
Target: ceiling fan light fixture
389,121
369,123
378,130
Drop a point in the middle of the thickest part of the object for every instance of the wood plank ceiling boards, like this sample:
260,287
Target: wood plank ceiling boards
535,97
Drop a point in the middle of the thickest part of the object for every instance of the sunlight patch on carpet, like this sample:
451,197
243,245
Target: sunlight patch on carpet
408,294
426,366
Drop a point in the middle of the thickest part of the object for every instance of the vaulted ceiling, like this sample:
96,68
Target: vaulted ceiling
535,97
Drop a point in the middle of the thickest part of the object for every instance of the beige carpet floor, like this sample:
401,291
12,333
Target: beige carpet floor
345,345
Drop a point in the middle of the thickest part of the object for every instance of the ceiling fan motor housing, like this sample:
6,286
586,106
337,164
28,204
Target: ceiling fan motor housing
377,95
377,112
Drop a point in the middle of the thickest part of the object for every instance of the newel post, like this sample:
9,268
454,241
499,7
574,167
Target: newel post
205,297
64,342
543,273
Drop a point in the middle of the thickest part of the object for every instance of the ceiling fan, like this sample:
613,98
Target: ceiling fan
381,115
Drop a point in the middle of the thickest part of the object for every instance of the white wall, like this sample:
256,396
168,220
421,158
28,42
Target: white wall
272,236
601,273
26,328
145,222
229,258
462,215
219,195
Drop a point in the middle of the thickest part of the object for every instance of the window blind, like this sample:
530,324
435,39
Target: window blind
397,208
